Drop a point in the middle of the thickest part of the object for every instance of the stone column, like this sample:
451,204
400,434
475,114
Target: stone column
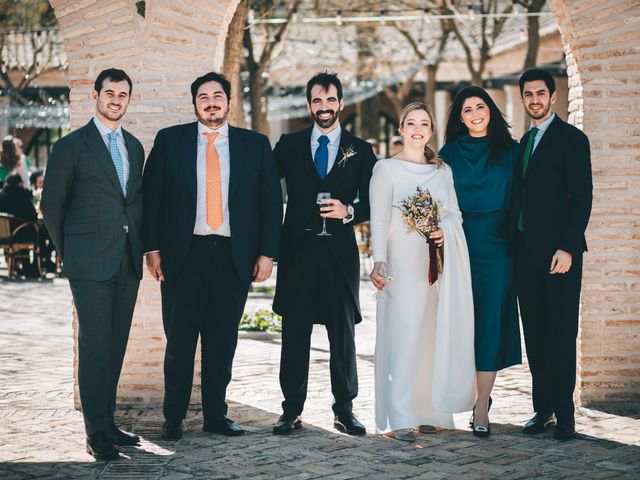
441,107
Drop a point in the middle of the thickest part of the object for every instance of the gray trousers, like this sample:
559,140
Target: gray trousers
105,309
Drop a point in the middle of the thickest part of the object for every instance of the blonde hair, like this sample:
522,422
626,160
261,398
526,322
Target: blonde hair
429,153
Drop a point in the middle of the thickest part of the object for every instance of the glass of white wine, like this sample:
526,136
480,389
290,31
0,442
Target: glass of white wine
322,196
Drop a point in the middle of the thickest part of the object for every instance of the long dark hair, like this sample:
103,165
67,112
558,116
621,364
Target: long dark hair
498,134
9,157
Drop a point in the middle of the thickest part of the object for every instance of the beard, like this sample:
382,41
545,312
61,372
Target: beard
212,116
540,113
326,122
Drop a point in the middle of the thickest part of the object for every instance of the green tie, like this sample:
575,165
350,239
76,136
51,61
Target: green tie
526,156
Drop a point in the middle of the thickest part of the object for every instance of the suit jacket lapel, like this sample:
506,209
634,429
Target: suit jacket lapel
236,152
308,159
346,140
546,140
101,153
190,158
135,162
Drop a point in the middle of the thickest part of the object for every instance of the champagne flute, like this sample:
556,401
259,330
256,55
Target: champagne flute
322,196
388,274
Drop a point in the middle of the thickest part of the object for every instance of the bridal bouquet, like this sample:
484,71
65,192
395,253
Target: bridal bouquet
420,213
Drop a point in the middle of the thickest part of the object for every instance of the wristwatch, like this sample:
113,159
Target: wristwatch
349,216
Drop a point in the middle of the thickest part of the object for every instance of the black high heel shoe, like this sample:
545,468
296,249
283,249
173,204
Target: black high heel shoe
473,414
479,430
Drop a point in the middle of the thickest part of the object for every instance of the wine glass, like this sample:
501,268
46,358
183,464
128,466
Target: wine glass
322,196
388,274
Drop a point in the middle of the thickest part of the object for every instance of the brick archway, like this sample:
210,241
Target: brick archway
178,40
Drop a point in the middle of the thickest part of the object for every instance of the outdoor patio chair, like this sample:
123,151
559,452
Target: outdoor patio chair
15,248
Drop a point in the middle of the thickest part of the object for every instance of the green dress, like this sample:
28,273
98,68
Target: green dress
483,188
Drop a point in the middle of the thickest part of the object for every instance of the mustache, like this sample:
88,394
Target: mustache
320,112
212,108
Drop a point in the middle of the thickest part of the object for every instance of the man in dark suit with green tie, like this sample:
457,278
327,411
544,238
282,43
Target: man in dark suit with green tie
550,209
92,206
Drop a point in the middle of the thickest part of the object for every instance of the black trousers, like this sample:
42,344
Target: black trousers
549,307
105,310
205,299
323,297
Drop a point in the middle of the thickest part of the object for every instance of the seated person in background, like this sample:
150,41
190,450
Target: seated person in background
17,201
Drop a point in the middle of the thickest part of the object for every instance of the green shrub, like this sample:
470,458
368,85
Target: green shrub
261,321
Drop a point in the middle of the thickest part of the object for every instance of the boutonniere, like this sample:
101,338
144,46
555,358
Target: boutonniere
346,155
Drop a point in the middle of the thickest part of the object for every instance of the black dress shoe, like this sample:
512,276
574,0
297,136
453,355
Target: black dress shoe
286,424
348,423
565,430
539,423
118,437
172,430
101,448
223,425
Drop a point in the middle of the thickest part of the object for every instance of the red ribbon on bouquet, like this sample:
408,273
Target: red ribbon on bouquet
436,260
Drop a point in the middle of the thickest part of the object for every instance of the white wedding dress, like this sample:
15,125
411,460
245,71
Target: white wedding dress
424,354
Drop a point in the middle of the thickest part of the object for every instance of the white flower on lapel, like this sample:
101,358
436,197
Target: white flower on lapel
346,155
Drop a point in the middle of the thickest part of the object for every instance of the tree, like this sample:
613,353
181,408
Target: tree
258,64
533,31
29,26
488,31
233,62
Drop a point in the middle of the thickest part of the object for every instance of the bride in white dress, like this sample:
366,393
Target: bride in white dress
424,355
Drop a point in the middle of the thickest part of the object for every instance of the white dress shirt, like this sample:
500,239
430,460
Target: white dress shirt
333,146
222,147
122,146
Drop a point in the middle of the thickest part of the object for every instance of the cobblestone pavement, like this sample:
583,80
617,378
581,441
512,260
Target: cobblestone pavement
41,435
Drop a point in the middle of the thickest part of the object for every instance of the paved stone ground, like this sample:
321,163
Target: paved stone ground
41,435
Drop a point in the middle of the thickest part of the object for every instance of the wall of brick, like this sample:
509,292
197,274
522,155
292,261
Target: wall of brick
163,53
602,42
180,40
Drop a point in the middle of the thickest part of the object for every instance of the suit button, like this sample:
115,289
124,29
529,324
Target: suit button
125,228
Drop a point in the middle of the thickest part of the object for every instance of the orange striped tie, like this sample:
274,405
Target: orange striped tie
214,184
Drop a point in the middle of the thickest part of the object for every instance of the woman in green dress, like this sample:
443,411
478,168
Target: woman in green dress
480,151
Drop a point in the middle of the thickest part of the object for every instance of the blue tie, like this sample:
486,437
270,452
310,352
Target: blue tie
322,157
117,159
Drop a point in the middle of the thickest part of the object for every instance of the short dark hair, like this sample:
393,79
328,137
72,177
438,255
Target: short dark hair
325,80
210,77
113,74
35,175
13,181
538,74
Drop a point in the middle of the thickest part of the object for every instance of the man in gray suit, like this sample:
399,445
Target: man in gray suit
92,206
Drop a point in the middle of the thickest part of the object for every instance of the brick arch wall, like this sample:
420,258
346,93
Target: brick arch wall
602,42
181,39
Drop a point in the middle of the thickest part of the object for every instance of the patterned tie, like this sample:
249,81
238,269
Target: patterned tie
526,156
117,159
322,157
214,183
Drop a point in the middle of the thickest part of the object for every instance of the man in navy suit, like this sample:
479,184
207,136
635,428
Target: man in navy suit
211,226
550,209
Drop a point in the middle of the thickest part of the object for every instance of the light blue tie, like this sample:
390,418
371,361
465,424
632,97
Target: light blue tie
117,159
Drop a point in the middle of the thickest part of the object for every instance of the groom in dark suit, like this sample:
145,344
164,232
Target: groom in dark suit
92,207
213,211
550,209
318,276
